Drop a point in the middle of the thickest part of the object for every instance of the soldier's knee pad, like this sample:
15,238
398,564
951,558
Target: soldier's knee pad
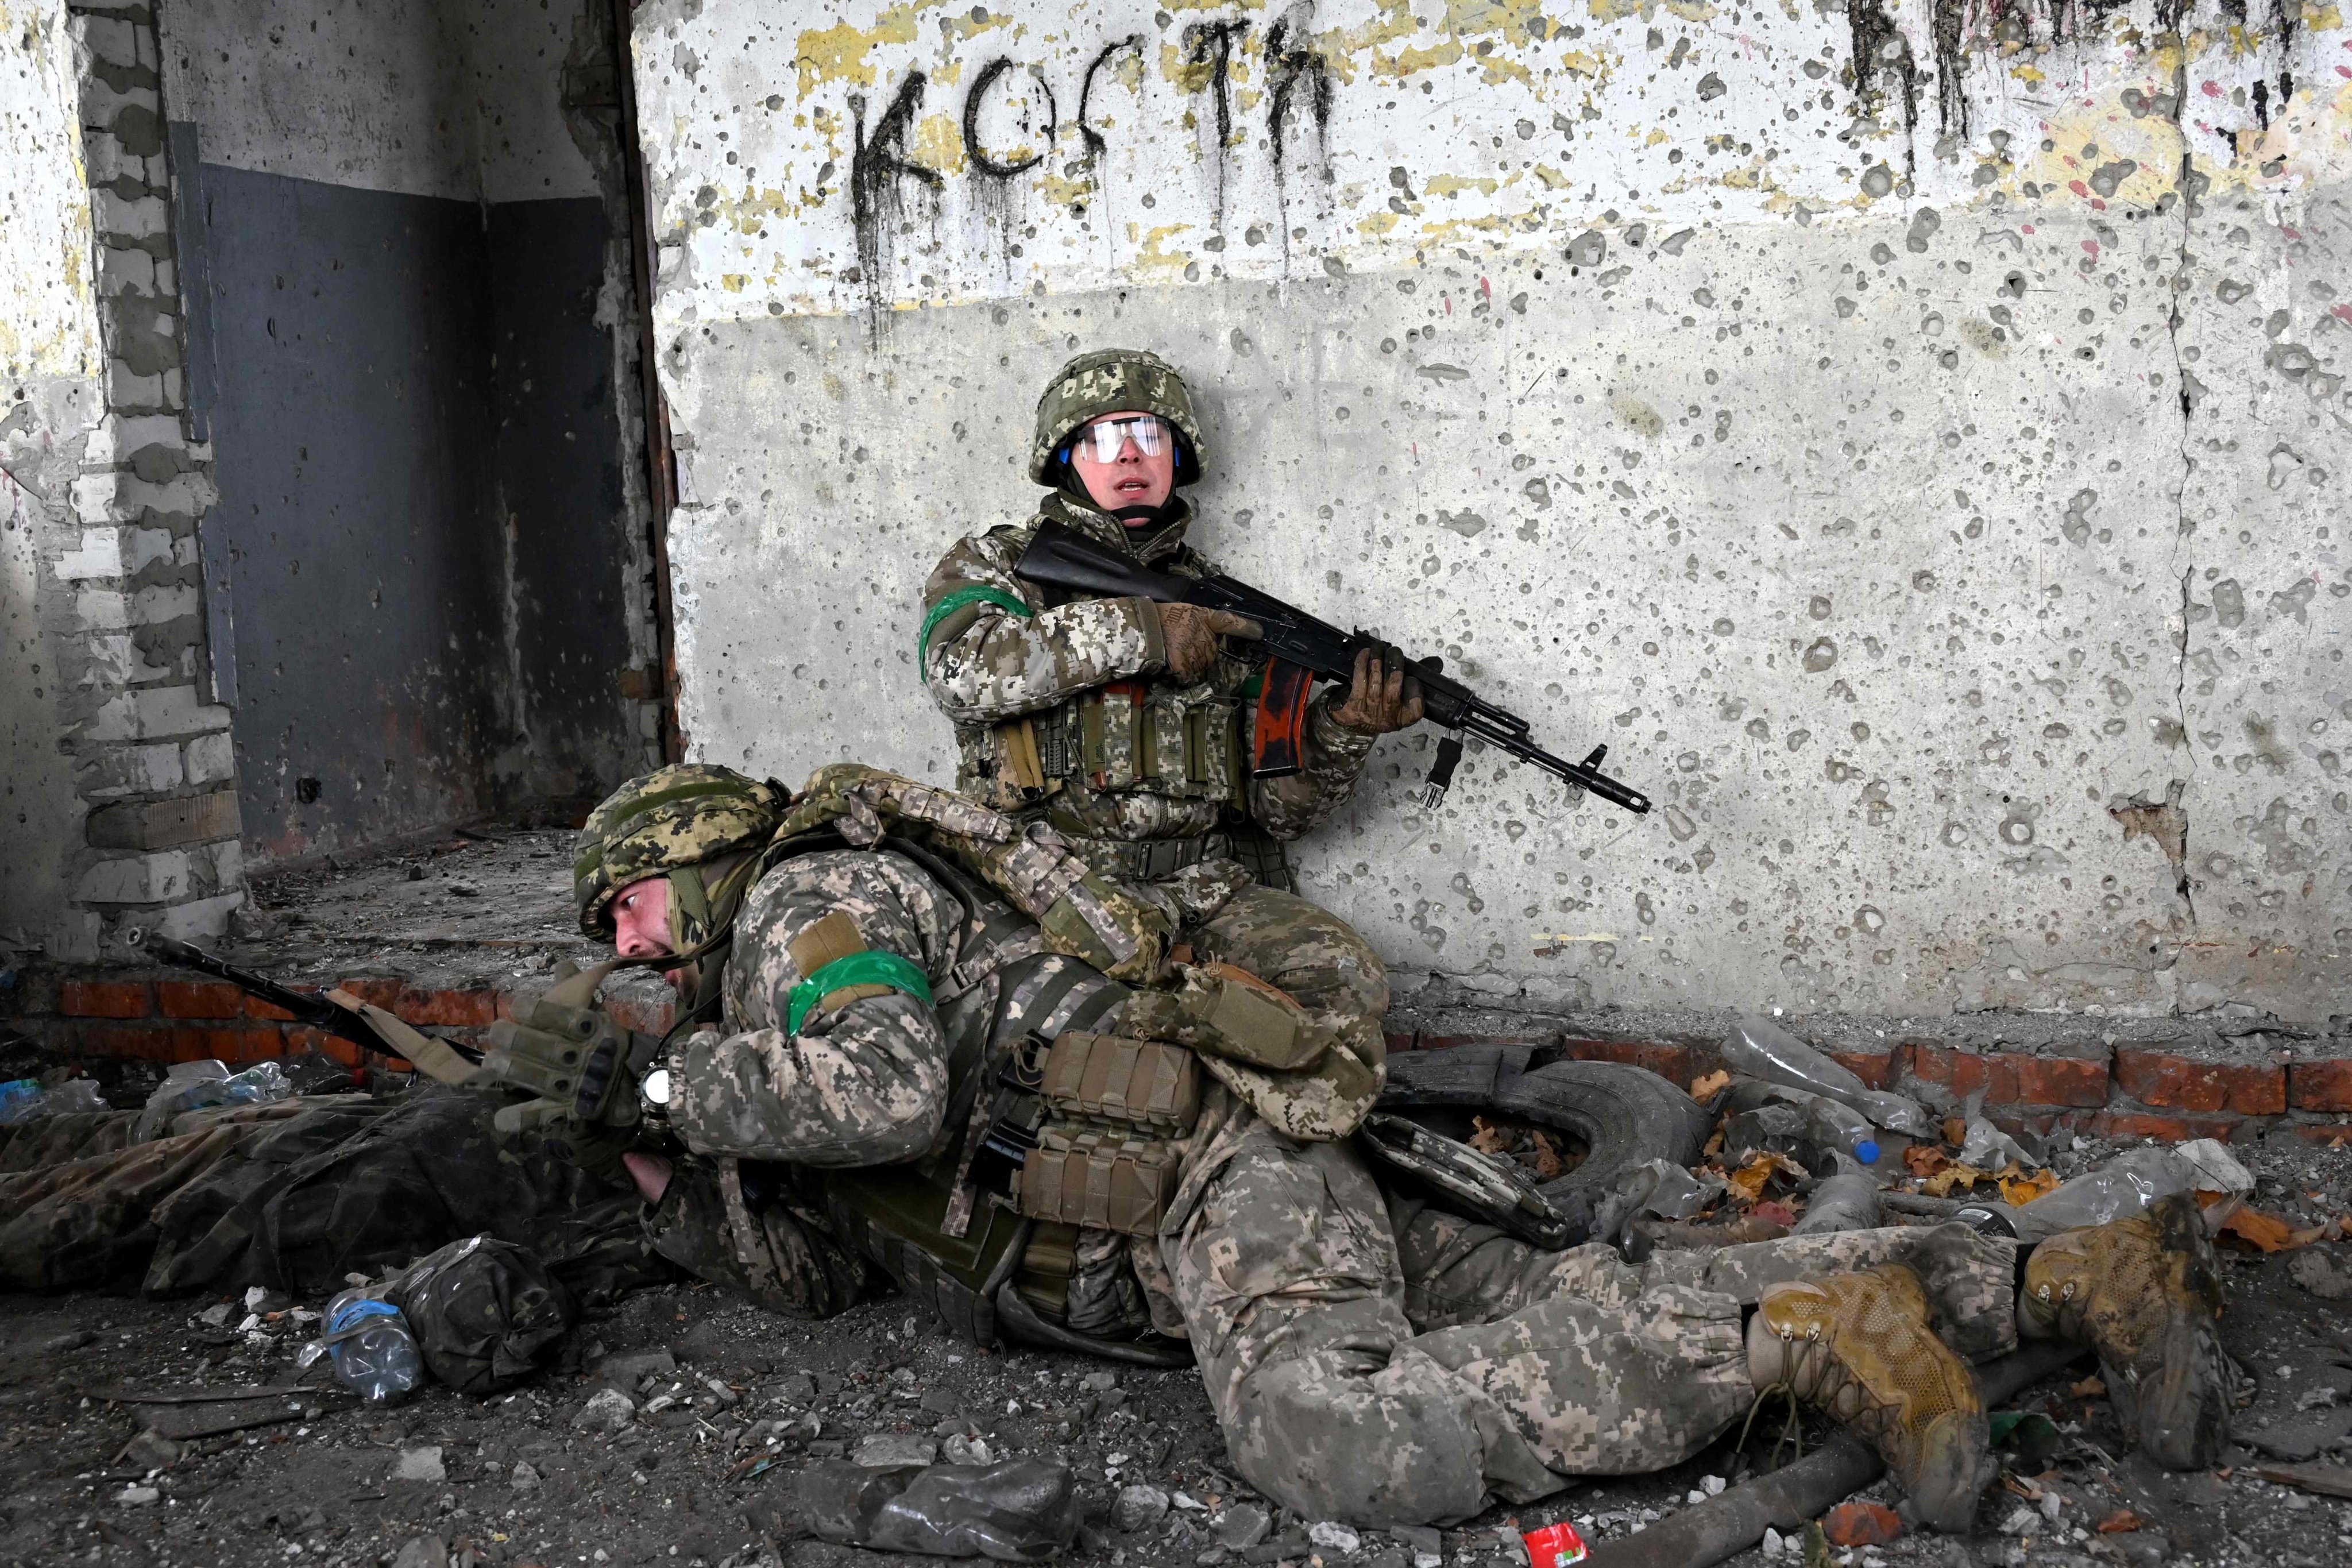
1327,1441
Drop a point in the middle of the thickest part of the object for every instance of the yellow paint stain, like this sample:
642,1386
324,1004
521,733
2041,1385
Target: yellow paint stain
1448,184
842,53
938,144
1377,223
1583,62
1412,62
966,26
832,387
1553,180
1654,138
734,282
1063,192
1151,255
2028,72
949,74
1344,49
1693,10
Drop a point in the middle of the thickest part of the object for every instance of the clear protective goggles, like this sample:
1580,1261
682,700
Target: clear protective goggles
1105,438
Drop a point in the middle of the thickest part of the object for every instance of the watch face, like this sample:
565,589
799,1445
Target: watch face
656,1087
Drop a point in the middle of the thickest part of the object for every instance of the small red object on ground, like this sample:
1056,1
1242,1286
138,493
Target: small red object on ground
1554,1546
1861,1524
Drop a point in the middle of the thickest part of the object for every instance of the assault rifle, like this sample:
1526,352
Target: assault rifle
1303,650
339,1013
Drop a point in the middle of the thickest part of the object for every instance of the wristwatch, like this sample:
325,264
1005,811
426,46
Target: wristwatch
655,1092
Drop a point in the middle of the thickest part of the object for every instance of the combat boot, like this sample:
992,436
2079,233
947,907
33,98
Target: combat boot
2145,1293
1859,1347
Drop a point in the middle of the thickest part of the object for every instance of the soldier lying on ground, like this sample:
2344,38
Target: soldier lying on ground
1121,721
1370,1357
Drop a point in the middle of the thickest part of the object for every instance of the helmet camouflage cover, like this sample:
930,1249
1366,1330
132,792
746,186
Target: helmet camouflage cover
1106,381
677,818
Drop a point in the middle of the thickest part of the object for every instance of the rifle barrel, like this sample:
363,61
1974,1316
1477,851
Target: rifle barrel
308,1007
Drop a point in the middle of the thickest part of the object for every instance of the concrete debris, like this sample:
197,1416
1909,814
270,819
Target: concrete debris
609,1410
1241,1526
886,1450
1138,1508
423,1552
420,1465
1333,1536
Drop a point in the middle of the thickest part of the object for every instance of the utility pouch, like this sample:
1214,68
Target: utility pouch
1253,1022
1121,1084
1099,1180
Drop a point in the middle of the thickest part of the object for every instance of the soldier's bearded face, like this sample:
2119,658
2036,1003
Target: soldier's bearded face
641,918
1133,477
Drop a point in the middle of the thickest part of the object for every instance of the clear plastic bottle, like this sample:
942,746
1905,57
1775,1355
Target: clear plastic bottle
1833,1124
1845,1201
260,1084
373,1351
1761,1048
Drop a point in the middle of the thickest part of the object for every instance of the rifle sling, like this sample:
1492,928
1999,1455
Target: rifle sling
430,1057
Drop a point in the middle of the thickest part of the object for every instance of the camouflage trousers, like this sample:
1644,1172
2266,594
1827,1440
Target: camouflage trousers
778,1248
1376,1360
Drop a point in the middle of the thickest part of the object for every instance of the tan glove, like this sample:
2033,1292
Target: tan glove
1190,634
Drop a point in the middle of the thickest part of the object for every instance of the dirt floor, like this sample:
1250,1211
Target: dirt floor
730,1400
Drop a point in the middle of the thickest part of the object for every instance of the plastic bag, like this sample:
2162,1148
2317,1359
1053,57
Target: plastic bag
1654,1186
1024,1511
482,1310
21,1100
2129,1183
75,1097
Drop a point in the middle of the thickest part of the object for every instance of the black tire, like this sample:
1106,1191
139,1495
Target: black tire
1620,1116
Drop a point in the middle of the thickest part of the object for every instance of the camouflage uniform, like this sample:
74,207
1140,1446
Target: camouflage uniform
1063,705
1368,1358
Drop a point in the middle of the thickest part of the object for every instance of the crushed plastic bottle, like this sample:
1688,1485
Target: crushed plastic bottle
1848,1201
2130,1183
1833,1124
1815,1130
263,1083
75,1097
1761,1048
21,1100
1024,1511
373,1349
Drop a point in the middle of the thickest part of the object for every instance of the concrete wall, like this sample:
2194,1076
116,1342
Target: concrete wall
1904,433
50,401
418,319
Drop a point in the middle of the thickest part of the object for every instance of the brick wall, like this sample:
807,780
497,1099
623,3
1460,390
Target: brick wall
2169,1092
2083,1085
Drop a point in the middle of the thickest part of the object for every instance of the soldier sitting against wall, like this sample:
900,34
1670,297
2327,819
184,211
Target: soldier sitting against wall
955,1056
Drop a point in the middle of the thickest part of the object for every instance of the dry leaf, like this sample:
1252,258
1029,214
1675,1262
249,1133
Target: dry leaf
1488,1138
1956,1130
1706,1089
1925,1159
2089,1388
2267,1231
2018,1189
1942,1182
1747,1182
1549,1163
2120,1522
1776,1213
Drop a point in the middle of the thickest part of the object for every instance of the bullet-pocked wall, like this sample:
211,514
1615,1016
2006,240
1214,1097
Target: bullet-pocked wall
414,339
1907,434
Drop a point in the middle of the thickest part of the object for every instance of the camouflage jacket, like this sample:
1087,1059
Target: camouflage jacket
986,665
861,1083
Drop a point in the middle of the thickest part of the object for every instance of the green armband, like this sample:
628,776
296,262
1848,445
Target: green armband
868,968
978,593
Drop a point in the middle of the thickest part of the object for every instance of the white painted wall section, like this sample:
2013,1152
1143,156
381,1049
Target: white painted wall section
1905,434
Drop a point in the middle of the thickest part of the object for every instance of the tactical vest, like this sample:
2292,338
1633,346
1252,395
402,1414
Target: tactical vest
1051,1131
1181,741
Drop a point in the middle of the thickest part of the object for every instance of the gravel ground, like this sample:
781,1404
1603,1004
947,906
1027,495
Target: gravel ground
730,1401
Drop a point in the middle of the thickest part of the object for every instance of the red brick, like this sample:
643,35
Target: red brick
199,999
2059,1080
255,1007
144,1042
2183,1083
1876,1068
105,999
376,990
343,1051
2321,1085
2164,1128
654,1018
472,1009
2333,1134
1668,1061
1962,1072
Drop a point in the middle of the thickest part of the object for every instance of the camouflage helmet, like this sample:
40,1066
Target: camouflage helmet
1105,382
680,816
